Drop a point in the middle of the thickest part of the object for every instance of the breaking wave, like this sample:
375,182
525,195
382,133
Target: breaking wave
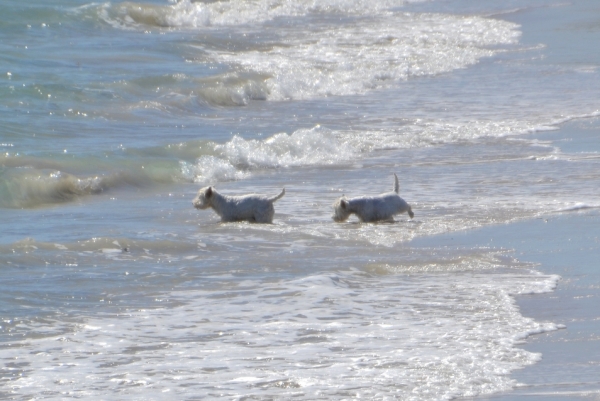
29,182
237,158
196,14
374,48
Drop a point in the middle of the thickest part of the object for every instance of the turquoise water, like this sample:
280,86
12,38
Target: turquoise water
115,114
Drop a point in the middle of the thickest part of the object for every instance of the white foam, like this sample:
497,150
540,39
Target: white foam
334,336
372,53
197,14
373,49
211,169
577,207
237,158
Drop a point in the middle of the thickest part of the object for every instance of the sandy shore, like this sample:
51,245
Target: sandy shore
568,245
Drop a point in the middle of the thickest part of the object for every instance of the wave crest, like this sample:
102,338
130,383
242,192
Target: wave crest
237,158
196,14
233,89
31,187
371,53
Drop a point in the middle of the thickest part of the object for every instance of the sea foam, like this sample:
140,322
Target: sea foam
374,49
196,14
237,158
370,54
329,335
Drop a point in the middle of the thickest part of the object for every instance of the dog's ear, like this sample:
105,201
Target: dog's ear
209,192
343,204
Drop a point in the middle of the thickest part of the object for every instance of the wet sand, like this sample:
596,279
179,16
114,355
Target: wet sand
567,244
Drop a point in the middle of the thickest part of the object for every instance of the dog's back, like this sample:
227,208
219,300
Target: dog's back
378,208
373,208
253,208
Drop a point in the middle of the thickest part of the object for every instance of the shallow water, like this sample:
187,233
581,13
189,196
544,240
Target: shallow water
115,114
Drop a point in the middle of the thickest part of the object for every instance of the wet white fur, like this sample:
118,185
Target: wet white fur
253,208
372,208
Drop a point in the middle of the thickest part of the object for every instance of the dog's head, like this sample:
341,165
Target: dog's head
340,210
203,198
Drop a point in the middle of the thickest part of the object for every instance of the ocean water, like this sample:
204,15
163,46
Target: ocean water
114,114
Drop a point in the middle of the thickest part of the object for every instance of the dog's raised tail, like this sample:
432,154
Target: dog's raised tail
396,185
277,197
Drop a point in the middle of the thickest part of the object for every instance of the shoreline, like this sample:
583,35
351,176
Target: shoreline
566,244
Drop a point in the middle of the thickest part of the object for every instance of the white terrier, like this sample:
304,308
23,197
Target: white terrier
372,208
253,208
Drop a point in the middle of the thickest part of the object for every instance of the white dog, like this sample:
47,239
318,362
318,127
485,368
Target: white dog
372,208
253,208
